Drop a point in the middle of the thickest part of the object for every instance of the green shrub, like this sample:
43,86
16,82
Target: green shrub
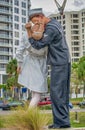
31,119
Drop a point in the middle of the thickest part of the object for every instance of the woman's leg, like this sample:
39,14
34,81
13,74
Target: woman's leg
35,99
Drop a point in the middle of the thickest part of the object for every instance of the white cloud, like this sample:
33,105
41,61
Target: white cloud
50,6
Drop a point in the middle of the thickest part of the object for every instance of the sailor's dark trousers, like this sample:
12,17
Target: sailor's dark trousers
59,91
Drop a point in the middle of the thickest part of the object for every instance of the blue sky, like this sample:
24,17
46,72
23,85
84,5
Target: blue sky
49,5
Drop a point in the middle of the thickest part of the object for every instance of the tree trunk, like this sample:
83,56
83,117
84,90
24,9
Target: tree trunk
84,91
76,91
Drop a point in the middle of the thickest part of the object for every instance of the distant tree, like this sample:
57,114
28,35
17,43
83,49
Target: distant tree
11,70
81,72
74,78
3,86
11,67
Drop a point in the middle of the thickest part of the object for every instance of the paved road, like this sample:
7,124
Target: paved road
5,112
46,111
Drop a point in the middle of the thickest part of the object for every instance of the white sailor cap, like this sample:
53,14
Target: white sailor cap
34,12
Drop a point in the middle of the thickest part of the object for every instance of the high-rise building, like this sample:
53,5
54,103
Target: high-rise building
13,17
73,23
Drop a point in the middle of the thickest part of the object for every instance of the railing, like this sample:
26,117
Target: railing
2,69
5,3
5,28
5,53
5,20
5,11
4,61
6,44
5,36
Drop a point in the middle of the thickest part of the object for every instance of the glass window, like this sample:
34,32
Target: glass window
4,49
24,12
76,54
75,15
23,4
76,59
4,57
23,20
64,22
17,42
23,27
16,18
16,26
2,66
16,10
16,2
17,34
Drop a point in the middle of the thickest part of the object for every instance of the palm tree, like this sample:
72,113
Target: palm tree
74,77
12,75
81,72
79,68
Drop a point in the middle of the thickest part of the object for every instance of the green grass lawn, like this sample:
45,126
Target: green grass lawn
81,118
76,99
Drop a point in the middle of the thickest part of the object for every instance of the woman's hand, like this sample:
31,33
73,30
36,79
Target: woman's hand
18,70
28,28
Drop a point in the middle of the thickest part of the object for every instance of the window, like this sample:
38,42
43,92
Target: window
82,30
24,12
63,16
16,10
4,58
76,54
76,59
16,26
84,53
23,5
23,27
64,27
83,36
4,49
76,48
17,34
75,32
16,2
54,17
16,18
2,66
83,47
75,21
75,37
17,42
83,25
75,15
74,26
64,22
23,20
75,43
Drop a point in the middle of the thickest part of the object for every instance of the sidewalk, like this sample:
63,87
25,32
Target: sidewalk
82,128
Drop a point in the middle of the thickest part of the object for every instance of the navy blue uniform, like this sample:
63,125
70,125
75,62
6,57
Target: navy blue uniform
59,59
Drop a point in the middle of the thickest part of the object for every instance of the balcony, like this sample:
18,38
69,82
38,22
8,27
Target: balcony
3,36
5,3
5,44
6,20
5,28
3,11
4,61
5,53
2,69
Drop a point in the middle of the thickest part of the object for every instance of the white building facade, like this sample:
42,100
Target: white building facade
13,17
73,23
